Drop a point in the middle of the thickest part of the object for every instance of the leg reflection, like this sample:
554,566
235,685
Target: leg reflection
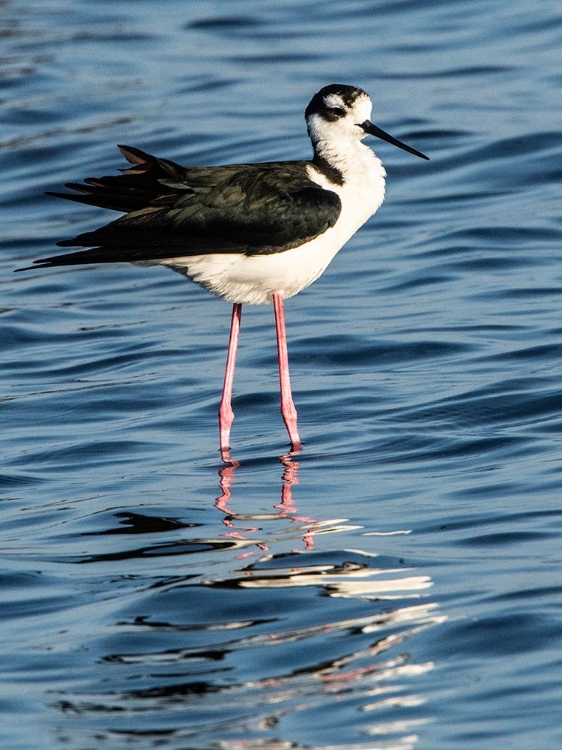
286,508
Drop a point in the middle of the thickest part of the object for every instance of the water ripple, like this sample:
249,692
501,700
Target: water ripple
396,584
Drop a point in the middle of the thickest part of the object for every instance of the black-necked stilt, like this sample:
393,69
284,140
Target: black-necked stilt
249,233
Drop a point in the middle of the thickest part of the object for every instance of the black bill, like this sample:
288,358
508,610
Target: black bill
368,127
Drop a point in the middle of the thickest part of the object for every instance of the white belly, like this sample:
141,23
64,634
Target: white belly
253,279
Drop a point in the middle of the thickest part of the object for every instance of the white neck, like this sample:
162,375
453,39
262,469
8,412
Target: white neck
341,149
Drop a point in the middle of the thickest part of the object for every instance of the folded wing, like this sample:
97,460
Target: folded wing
173,211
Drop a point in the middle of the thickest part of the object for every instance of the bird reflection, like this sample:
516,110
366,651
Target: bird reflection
286,508
216,650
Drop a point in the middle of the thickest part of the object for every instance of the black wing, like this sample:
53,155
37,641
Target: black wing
173,211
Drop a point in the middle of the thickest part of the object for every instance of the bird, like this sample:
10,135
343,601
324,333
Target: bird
248,233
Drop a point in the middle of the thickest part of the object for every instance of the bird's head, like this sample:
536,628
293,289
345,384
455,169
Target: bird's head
340,113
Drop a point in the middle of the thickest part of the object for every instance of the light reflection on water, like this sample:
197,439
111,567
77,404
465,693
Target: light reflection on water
195,693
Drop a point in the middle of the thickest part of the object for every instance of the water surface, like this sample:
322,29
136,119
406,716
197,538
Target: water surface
397,584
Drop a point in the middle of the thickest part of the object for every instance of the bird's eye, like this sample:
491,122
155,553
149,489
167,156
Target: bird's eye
337,111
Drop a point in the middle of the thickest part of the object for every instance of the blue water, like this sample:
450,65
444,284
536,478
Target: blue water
396,585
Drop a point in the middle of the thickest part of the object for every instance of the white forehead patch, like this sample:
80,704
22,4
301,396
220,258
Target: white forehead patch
334,100
361,107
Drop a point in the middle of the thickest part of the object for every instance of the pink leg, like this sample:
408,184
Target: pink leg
226,415
287,404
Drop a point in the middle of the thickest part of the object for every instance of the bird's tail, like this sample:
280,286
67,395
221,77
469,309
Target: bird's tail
142,186
135,188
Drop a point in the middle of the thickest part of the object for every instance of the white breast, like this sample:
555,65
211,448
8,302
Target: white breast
253,279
